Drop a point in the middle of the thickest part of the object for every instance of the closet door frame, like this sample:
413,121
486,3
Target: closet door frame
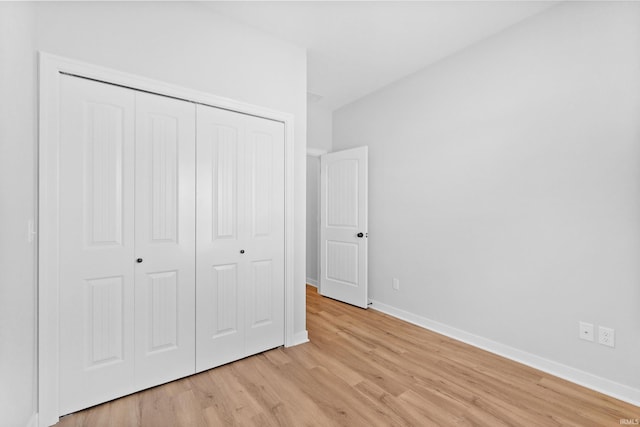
51,67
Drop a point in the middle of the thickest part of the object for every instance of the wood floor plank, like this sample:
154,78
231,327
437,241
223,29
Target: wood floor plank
363,368
264,393
156,407
241,404
127,411
188,410
306,410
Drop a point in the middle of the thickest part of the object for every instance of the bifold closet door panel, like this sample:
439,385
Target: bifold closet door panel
127,241
264,234
171,239
220,312
240,239
96,293
164,240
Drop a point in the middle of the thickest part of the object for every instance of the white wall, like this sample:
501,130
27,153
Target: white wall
17,205
313,219
179,43
505,187
319,137
319,127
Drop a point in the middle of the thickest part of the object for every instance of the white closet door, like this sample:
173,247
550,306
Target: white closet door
264,234
240,239
219,312
96,243
165,240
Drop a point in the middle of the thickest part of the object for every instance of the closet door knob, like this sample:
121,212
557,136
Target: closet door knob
241,251
139,260
361,235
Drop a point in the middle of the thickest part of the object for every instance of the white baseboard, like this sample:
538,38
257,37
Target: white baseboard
299,338
312,282
33,420
585,379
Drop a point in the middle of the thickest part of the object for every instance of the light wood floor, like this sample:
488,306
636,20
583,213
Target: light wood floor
363,368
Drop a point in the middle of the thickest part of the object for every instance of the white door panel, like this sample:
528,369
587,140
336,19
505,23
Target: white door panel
264,238
240,242
145,299
127,185
165,239
219,314
343,226
96,243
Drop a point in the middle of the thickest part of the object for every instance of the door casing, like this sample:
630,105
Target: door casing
51,67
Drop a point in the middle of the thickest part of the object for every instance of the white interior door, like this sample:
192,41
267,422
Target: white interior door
220,316
240,241
114,166
264,234
343,226
96,340
164,240
127,251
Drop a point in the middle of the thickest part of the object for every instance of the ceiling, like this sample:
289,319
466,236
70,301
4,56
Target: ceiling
357,47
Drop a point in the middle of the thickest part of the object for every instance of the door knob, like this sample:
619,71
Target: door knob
360,235
139,260
241,251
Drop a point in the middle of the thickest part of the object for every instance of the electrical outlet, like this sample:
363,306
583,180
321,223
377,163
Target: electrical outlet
396,284
586,331
606,336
